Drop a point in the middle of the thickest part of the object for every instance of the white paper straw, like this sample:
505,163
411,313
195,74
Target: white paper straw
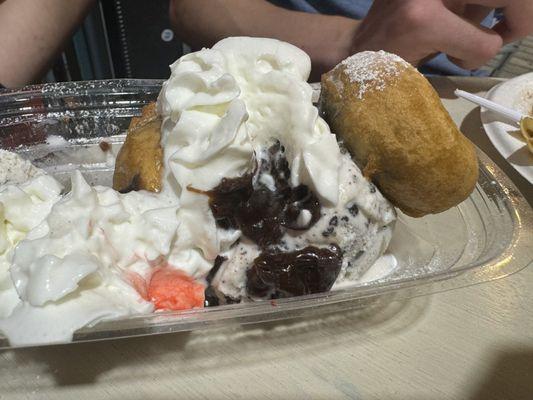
490,105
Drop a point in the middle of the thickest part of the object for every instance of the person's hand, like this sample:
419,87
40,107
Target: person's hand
418,29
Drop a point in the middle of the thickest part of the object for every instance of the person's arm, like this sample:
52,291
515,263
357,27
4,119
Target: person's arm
32,33
327,39
414,29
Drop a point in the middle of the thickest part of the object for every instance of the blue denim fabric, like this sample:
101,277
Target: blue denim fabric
349,8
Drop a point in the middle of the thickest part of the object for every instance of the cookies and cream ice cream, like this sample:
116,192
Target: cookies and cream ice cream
223,109
258,201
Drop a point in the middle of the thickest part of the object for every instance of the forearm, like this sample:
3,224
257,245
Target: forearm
32,33
325,38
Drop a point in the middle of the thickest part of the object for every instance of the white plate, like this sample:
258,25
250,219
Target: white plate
515,93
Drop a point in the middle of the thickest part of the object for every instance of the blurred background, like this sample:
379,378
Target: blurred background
122,38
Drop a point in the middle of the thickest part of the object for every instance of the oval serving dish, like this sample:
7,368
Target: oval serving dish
68,126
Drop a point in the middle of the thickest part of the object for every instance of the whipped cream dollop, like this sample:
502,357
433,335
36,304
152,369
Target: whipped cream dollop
76,256
23,206
221,105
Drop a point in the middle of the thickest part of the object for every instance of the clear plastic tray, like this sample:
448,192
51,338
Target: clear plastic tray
60,127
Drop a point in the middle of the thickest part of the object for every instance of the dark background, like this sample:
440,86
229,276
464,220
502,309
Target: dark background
120,39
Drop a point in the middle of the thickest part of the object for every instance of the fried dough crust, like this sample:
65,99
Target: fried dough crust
139,162
401,136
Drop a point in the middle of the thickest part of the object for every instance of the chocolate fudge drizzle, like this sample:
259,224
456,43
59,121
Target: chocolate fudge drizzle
284,274
263,205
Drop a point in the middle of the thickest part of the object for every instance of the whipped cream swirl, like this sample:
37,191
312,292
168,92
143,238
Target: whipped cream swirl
75,255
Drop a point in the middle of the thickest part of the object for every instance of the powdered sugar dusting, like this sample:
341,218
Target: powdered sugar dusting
16,170
372,69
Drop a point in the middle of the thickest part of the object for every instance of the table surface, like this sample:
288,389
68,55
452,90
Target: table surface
471,343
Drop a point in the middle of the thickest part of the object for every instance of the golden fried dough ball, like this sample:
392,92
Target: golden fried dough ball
396,128
139,162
